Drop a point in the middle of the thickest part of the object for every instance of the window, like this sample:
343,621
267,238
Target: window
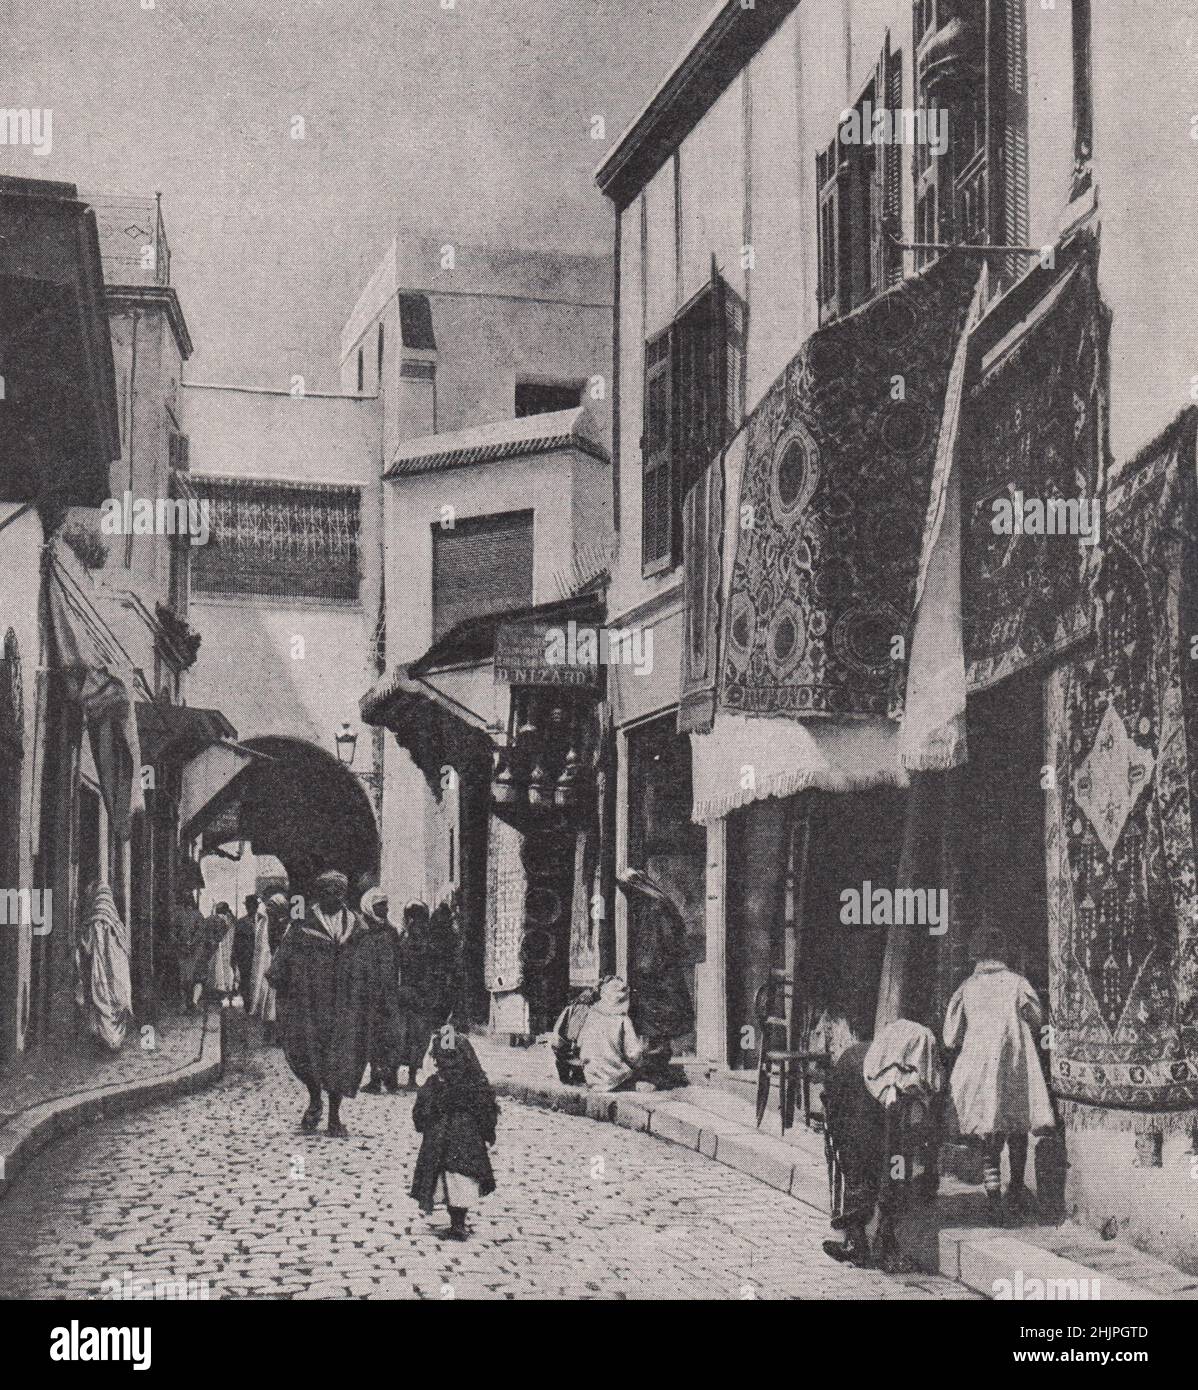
481,565
178,488
285,540
858,196
543,397
361,373
381,356
416,323
694,403
178,452
973,70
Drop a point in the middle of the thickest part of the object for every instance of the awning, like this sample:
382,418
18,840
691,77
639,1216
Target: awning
62,427
425,722
176,733
99,678
442,706
212,784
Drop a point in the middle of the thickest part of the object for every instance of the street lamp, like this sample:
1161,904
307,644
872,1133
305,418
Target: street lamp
347,743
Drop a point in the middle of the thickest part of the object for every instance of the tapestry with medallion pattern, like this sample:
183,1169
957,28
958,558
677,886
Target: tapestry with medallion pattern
1122,738
833,504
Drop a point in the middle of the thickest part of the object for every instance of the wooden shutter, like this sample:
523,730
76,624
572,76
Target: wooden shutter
736,339
657,500
832,242
1015,230
888,174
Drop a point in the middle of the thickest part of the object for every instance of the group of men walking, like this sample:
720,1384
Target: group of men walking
340,989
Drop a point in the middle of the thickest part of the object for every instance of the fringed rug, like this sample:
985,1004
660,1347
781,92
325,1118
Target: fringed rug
1123,739
833,501
1031,435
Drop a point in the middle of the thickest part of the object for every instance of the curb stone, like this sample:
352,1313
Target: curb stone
967,1257
39,1126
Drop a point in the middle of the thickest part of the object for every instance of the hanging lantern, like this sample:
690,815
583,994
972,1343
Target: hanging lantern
504,788
566,792
540,788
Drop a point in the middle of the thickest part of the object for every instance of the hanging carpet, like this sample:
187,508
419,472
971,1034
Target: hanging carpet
833,505
1123,738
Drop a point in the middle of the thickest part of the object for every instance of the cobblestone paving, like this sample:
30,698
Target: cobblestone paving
56,1069
222,1187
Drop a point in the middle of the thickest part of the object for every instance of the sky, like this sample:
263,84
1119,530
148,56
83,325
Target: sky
470,121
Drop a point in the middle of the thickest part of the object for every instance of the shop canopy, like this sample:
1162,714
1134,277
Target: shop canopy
100,679
59,384
443,707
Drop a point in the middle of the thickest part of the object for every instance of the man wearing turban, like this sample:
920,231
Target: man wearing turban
321,973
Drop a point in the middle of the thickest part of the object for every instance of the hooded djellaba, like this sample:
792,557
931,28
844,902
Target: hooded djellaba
608,1045
102,989
386,1032
321,973
456,1113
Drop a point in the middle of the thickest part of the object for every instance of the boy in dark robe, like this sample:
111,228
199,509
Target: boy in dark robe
456,1113
384,1021
321,972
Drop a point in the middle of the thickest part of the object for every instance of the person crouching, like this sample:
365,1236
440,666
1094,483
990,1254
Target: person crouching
456,1112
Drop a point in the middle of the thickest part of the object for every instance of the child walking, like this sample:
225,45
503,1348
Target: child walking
997,1091
456,1112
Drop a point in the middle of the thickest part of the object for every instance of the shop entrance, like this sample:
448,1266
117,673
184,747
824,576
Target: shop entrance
1003,849
667,845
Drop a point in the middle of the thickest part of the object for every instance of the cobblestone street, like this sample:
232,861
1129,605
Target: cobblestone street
222,1187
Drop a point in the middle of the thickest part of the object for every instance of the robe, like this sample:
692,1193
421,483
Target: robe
323,988
385,1021
428,983
456,1113
608,1047
261,1000
102,986
997,1086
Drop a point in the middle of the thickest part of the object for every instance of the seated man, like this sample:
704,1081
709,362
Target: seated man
608,1046
563,1040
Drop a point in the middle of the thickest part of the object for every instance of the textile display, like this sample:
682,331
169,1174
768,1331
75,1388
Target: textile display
1032,436
833,507
1122,720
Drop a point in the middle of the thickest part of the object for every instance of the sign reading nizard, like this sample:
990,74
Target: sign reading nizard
546,653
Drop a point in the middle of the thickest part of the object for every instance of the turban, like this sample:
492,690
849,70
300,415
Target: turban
333,878
375,903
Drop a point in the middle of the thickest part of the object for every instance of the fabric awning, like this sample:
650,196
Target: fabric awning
100,679
212,784
177,732
425,722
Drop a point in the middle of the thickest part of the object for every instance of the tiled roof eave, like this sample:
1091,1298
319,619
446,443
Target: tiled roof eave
493,453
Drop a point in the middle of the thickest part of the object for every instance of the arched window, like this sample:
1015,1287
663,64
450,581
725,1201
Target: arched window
361,373
380,356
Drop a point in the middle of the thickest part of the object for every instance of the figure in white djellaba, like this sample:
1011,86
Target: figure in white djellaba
997,1093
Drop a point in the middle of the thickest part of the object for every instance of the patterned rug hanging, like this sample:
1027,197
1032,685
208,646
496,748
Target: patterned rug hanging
1123,737
1032,437
833,501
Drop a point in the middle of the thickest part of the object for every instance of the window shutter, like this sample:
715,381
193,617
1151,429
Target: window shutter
832,247
656,454
736,340
481,565
890,84
1015,134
